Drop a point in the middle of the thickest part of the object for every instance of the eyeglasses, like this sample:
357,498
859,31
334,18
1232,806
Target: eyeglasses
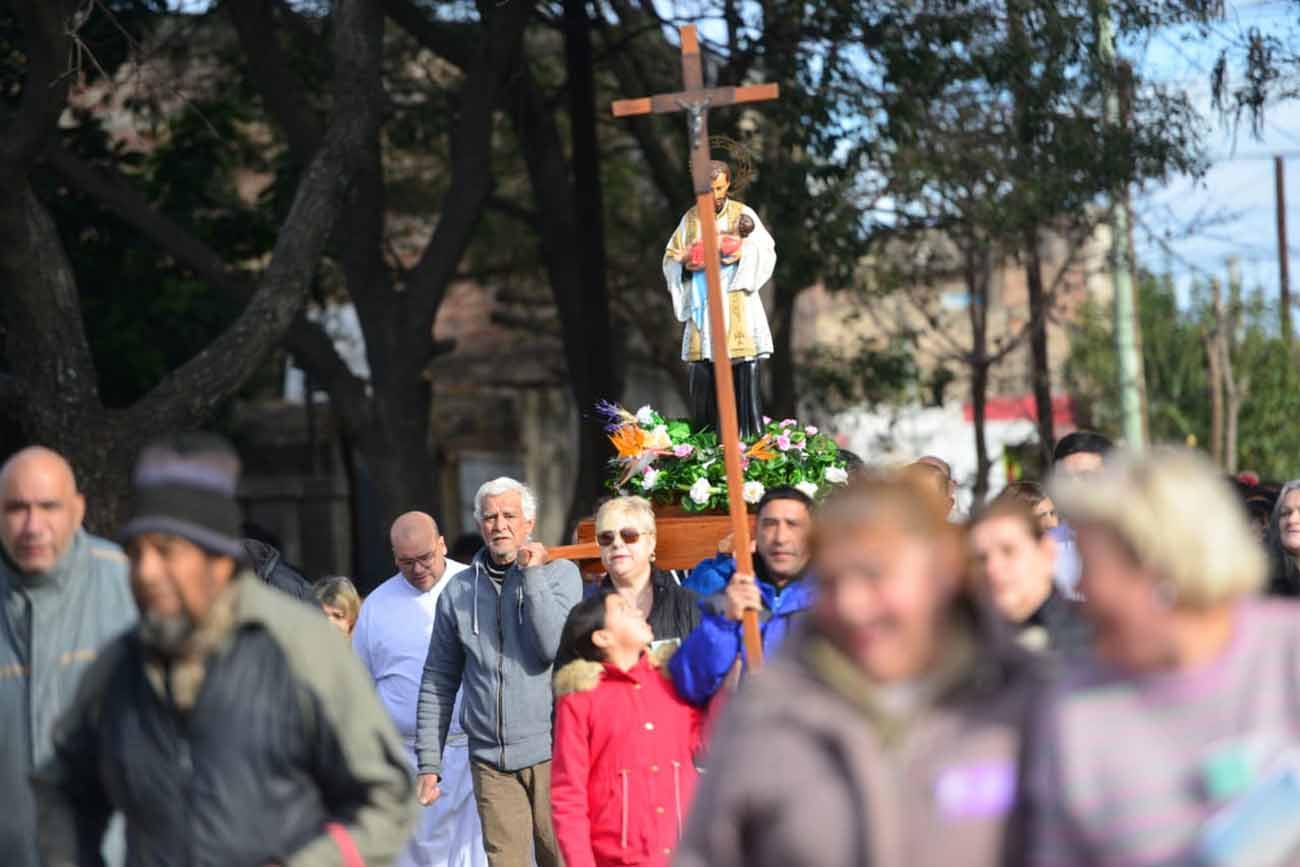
425,560
629,536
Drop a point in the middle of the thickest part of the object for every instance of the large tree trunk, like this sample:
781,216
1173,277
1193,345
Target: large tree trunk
1040,362
781,366
593,349
402,467
1214,369
45,340
782,26
977,289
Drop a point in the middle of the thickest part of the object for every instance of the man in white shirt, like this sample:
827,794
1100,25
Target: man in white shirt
392,639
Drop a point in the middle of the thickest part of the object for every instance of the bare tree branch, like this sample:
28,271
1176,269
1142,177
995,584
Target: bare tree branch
221,367
487,77
282,91
306,340
452,41
48,27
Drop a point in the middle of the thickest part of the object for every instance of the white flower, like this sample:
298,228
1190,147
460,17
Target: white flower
650,479
645,415
753,492
807,488
701,491
836,475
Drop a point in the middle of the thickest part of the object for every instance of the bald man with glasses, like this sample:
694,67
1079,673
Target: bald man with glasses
392,639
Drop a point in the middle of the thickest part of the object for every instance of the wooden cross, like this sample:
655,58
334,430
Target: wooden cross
696,100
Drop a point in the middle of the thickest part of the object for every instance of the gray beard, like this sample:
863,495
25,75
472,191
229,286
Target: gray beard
165,635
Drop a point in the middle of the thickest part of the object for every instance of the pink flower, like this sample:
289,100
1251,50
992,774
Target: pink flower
789,422
811,430
767,419
683,450
783,443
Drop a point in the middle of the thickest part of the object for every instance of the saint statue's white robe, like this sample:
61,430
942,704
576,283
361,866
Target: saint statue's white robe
748,332
392,639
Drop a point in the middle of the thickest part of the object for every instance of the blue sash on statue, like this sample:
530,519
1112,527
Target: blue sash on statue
700,295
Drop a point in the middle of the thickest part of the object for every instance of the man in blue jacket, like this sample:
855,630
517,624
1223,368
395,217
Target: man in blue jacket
780,591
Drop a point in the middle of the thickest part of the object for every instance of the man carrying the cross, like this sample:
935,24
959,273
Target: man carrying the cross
744,272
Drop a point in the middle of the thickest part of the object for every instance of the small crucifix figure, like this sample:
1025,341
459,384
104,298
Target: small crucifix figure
696,100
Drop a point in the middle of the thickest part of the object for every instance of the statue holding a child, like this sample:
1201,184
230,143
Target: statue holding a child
748,257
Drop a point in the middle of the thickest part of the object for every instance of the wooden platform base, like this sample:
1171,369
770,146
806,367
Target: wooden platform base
682,539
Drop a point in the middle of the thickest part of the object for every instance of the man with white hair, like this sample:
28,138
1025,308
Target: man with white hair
392,640
495,636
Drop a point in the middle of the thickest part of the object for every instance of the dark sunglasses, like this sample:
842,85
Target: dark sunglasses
627,534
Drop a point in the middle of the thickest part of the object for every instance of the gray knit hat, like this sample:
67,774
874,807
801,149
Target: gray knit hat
185,485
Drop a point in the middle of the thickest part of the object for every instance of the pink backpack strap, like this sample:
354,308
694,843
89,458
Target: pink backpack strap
347,846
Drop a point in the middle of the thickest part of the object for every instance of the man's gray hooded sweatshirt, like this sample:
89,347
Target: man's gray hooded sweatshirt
497,643
52,626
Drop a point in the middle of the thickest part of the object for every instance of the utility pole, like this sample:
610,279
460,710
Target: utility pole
1283,259
1126,347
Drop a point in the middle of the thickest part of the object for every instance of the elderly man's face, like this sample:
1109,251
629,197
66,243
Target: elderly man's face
42,511
504,527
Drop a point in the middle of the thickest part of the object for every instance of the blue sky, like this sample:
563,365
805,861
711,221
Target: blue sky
1239,186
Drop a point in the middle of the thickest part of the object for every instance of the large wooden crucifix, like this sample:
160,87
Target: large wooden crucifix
695,101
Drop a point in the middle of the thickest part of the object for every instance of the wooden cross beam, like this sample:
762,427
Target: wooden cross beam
695,101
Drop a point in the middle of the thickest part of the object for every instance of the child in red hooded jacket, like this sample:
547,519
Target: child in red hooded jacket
623,772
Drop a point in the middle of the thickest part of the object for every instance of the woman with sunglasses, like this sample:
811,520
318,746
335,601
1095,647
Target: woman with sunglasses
625,532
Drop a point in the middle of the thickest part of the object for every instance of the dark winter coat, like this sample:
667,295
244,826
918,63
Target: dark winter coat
1068,634
675,611
624,771
270,566
285,756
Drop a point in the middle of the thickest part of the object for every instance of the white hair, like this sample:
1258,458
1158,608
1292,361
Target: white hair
506,485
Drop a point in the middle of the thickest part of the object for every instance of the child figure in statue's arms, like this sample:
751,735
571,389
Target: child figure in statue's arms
728,245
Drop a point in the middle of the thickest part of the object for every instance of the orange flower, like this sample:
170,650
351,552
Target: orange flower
629,440
762,449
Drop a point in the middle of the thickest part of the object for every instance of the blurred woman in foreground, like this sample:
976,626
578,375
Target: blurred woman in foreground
1178,746
887,734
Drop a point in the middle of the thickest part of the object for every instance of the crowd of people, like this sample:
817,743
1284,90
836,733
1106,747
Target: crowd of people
1085,671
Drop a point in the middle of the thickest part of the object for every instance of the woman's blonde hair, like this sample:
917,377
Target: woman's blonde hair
637,510
339,592
1177,515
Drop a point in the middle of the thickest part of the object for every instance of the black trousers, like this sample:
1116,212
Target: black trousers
704,396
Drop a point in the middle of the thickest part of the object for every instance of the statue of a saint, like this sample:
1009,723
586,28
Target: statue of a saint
748,256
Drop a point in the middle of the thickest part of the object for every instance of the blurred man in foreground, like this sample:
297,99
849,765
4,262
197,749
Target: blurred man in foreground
231,726
888,732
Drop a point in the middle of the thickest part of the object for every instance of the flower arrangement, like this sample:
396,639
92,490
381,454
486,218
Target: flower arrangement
670,463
